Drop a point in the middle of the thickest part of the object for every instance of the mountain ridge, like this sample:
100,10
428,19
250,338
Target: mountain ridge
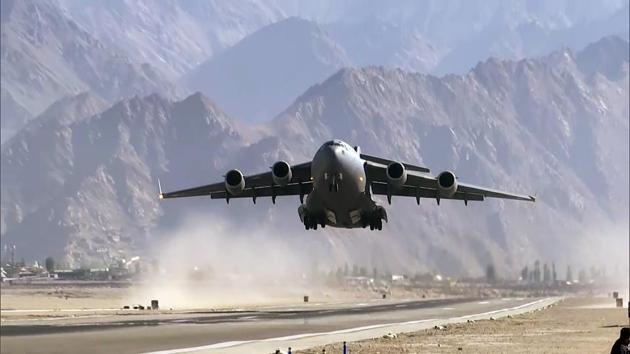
290,54
95,192
46,55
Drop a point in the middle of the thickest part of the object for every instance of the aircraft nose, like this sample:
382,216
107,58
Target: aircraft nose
332,174
332,156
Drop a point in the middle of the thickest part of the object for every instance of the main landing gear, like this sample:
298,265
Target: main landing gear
311,222
374,219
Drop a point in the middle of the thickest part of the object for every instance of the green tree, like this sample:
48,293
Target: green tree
491,275
339,273
546,273
363,271
50,264
582,276
537,273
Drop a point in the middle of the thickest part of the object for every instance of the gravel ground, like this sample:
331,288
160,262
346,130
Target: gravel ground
579,325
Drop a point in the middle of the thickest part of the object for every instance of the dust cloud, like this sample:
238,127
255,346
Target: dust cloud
209,263
205,263
606,248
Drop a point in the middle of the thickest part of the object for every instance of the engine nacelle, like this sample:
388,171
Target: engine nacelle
396,174
447,184
234,182
281,173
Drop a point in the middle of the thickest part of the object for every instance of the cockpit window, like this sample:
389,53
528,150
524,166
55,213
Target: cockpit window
335,143
339,143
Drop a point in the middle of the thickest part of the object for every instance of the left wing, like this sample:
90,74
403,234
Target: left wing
420,185
258,185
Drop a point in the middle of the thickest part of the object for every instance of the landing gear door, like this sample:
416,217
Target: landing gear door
355,216
331,217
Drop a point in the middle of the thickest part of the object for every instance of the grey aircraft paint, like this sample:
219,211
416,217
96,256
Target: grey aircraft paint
339,183
339,195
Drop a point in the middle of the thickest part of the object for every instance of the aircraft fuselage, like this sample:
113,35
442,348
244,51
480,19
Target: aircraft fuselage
339,197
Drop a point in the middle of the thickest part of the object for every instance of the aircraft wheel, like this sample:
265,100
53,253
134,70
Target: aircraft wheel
306,222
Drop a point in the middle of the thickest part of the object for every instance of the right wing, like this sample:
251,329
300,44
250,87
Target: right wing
420,185
382,161
258,185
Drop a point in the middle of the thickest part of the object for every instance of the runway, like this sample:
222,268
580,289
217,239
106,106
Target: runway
247,331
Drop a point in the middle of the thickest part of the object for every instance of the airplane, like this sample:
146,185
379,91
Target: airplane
339,183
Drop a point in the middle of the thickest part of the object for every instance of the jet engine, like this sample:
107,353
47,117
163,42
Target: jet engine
447,183
234,182
281,173
396,174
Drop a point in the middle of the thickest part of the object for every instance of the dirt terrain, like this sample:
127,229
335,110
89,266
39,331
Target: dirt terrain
46,301
581,325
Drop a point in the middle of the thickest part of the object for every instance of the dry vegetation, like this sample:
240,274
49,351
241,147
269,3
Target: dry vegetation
581,325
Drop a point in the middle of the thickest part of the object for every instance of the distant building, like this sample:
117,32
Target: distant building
365,281
24,273
83,274
398,278
71,274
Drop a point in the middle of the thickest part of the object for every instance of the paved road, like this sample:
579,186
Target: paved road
210,330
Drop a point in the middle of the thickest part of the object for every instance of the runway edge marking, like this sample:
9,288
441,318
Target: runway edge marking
342,331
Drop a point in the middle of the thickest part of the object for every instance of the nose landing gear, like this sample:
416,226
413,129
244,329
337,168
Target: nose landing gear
333,179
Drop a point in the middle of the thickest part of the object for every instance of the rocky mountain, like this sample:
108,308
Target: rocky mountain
452,36
552,126
96,199
556,126
172,35
431,36
55,48
70,109
262,74
13,115
46,56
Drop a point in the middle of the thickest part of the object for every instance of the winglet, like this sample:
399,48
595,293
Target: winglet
160,189
532,198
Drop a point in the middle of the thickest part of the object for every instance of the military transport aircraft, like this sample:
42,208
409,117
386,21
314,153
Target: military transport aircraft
339,183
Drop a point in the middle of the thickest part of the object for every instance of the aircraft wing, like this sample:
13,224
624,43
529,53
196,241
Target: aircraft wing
420,185
258,185
382,161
